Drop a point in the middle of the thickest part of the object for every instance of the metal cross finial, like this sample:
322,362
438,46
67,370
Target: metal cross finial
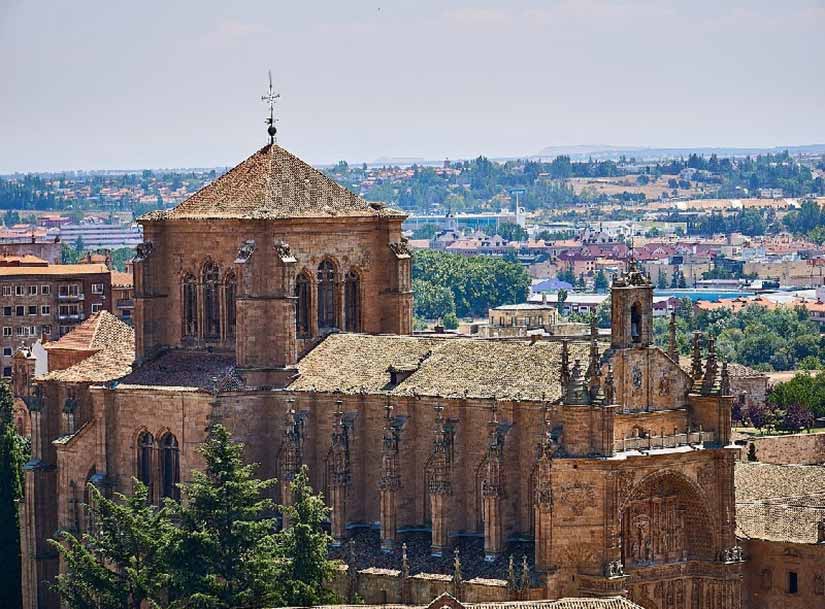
270,98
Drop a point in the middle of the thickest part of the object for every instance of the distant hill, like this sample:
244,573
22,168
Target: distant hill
599,152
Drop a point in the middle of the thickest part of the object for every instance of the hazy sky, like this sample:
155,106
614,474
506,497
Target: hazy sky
111,84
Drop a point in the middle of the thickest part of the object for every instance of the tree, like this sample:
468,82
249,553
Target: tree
450,321
432,301
796,417
222,554
121,562
11,490
661,280
511,232
561,297
302,548
600,281
79,245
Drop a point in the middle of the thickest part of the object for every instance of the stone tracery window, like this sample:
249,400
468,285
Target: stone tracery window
211,302
302,305
352,302
326,295
169,466
146,445
230,296
190,306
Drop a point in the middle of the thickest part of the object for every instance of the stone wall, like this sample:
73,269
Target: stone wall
768,575
797,449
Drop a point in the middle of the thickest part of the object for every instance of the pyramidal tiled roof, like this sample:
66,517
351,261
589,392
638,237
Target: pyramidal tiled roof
272,184
111,344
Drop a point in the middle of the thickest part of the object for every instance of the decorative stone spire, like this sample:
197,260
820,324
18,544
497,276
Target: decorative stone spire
389,483
593,373
609,386
524,582
292,455
696,359
672,347
724,382
564,374
440,483
458,579
491,488
709,381
511,574
341,474
577,392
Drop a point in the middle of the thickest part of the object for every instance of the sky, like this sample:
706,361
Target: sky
112,84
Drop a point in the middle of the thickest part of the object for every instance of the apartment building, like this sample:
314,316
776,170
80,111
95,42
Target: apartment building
44,301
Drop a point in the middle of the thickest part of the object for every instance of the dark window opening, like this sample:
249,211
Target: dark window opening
636,323
146,444
190,307
793,582
230,287
170,467
211,305
302,305
326,295
352,300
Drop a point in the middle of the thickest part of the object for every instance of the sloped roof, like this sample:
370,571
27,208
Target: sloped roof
779,502
111,342
616,602
272,184
449,368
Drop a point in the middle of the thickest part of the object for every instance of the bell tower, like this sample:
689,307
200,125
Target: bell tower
631,299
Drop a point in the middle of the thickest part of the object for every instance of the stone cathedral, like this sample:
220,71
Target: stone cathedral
279,304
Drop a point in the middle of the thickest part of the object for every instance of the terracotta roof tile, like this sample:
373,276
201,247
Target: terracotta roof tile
779,502
272,184
53,269
112,343
450,368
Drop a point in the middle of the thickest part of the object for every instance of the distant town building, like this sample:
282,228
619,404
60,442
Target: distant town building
519,319
94,236
44,301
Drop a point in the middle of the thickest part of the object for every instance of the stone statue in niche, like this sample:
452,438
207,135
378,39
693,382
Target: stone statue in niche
636,376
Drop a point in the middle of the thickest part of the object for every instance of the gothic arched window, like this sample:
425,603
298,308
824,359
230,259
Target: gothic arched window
190,306
169,466
211,303
146,444
326,295
302,305
230,289
352,302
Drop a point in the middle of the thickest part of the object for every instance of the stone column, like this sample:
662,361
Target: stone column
543,500
440,484
389,483
341,476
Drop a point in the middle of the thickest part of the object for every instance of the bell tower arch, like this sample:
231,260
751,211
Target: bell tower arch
631,310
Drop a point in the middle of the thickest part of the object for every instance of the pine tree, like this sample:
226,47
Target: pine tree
121,562
11,463
303,548
223,553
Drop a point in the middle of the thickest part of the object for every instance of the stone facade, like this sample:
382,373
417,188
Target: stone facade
612,467
796,449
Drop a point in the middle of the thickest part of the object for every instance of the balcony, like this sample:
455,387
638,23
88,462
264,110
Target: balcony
125,303
695,439
71,316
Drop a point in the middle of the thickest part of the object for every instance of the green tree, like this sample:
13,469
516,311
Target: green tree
600,281
302,548
561,297
222,555
450,321
432,301
661,280
11,491
120,562
511,232
79,245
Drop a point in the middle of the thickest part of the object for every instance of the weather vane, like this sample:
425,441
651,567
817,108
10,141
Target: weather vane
270,98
